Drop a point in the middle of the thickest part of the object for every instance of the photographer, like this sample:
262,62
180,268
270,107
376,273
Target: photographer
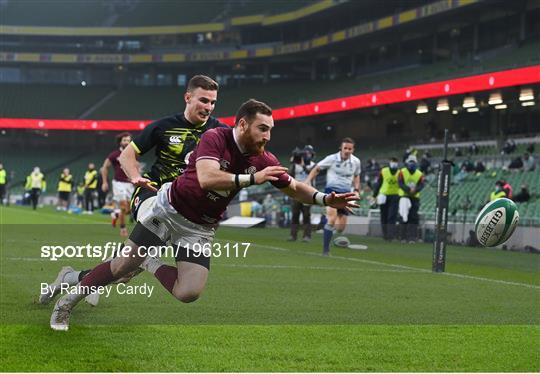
301,165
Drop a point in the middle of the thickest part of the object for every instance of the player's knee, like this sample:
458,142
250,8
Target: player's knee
124,207
122,268
187,296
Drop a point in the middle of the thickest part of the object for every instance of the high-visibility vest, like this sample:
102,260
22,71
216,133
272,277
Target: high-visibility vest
80,190
90,179
37,180
408,179
3,176
65,182
508,187
389,184
496,195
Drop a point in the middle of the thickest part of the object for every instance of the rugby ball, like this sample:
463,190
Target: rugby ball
342,241
496,222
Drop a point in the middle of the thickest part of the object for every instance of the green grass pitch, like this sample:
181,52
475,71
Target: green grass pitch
282,308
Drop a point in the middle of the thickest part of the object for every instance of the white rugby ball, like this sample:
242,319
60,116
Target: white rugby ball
342,241
496,222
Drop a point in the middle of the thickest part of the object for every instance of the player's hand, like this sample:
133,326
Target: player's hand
342,200
269,174
144,183
105,187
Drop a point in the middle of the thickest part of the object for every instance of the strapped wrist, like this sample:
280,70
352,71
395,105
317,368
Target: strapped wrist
244,180
319,198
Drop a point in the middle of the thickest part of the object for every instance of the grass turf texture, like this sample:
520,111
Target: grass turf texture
282,308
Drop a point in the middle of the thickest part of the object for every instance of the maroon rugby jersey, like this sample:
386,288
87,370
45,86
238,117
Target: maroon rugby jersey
204,206
119,174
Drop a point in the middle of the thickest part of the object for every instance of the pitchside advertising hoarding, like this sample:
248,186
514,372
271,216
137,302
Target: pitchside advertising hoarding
470,84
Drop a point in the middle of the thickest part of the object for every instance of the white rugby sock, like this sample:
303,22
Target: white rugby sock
151,264
71,278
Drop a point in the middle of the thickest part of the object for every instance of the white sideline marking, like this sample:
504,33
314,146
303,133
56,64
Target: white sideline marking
457,275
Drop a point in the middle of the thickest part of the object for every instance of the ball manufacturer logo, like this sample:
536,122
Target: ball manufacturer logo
497,215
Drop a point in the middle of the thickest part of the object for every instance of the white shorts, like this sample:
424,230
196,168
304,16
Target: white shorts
171,227
122,191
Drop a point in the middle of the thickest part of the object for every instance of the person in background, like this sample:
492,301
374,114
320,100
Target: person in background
528,162
523,195
516,164
90,187
301,165
386,192
473,149
122,189
409,151
502,189
80,195
479,168
411,182
425,164
65,184
257,208
37,185
342,176
508,147
243,195
270,207
3,184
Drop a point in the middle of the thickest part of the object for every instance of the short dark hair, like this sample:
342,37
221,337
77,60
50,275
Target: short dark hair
249,110
121,136
394,159
202,81
348,140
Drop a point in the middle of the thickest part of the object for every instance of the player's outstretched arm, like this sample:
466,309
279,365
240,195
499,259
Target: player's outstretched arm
130,165
105,175
309,195
211,177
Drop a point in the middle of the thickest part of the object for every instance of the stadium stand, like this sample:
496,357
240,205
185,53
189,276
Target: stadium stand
84,13
154,102
48,101
474,192
145,13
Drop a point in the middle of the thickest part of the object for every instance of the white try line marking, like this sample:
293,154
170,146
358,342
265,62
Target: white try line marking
405,267
263,266
47,259
254,266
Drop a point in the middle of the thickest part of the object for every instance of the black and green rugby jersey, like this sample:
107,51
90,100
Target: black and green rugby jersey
174,138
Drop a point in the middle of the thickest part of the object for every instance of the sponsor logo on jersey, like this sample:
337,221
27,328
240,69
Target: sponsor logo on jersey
175,140
224,164
186,159
251,170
